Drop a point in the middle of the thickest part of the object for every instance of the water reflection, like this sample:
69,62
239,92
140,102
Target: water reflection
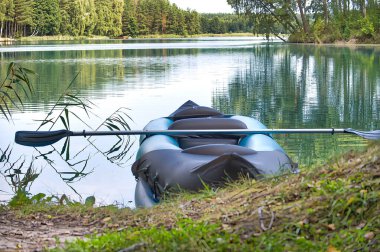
307,87
18,172
70,161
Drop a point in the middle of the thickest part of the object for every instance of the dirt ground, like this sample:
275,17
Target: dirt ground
39,231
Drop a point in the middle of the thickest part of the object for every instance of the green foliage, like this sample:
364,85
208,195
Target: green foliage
23,16
20,199
225,23
158,17
111,18
325,33
47,17
130,26
186,235
330,20
306,21
367,29
20,183
14,87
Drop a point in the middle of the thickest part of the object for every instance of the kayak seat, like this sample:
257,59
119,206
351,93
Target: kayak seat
192,110
219,149
189,141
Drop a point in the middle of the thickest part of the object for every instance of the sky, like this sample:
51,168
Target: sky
204,6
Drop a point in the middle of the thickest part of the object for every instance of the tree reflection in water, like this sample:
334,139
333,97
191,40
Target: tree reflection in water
307,86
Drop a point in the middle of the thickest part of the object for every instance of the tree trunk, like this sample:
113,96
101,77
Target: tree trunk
7,29
325,11
305,23
364,9
1,28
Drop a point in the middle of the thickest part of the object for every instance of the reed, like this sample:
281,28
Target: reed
13,88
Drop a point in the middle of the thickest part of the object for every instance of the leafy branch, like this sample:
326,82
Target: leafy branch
15,85
118,152
64,102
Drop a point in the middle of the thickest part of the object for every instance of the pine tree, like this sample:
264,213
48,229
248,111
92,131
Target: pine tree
82,17
64,7
129,26
3,8
109,17
23,17
47,17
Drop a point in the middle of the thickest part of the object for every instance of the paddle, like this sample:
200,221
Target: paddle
43,138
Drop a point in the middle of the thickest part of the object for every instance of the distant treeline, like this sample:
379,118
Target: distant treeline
20,18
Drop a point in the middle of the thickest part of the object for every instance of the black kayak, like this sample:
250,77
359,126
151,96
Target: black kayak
165,163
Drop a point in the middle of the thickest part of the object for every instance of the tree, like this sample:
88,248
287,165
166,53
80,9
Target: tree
284,12
47,17
65,6
81,17
109,17
129,26
23,17
3,9
192,21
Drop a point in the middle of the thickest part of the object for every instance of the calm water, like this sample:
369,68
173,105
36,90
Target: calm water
284,86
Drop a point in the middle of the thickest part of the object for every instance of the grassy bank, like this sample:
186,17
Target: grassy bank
151,36
331,207
200,35
174,36
60,38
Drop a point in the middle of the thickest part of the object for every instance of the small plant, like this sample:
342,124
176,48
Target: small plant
20,181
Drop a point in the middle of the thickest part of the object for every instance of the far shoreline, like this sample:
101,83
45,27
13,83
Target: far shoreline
350,43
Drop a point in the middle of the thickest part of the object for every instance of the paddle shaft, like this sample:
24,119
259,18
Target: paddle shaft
205,132
43,138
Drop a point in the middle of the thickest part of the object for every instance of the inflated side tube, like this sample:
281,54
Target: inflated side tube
144,196
257,142
162,123
211,164
157,142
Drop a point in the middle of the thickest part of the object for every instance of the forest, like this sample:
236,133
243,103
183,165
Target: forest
305,21
315,20
113,18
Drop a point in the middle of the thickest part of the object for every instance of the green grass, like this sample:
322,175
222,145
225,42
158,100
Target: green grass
60,37
151,36
186,235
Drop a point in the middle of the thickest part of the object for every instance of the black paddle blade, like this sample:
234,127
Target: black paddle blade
40,138
371,135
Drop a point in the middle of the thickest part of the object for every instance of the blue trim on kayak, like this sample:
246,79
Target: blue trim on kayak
162,123
157,142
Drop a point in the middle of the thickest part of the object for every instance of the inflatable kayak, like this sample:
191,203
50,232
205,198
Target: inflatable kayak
189,162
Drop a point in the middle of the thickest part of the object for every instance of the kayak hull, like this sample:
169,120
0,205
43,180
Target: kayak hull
166,163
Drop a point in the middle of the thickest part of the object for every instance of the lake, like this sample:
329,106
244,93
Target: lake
282,85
